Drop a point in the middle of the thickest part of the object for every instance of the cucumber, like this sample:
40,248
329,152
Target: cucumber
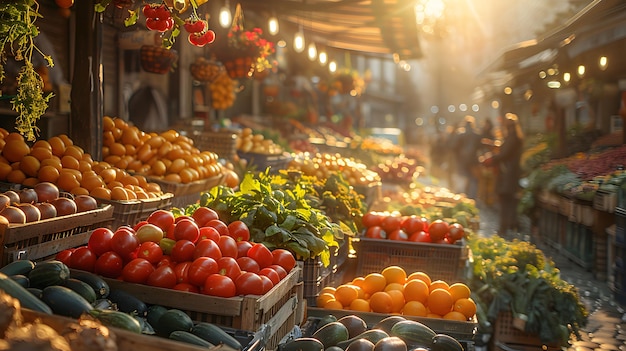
48,273
81,288
414,334
27,300
387,323
443,342
64,301
128,303
173,320
373,335
18,267
189,338
36,292
302,344
154,313
392,343
331,334
21,280
99,286
215,335
117,319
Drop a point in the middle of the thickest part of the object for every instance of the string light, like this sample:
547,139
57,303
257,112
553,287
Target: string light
225,17
323,57
298,41
312,51
273,26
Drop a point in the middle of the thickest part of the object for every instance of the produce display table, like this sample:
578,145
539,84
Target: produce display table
184,194
131,212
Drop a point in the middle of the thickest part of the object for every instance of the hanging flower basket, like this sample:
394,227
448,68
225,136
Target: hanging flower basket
156,59
240,67
204,70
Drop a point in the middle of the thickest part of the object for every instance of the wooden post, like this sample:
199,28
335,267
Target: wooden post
87,96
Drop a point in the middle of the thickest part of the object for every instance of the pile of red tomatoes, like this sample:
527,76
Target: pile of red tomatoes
197,253
392,226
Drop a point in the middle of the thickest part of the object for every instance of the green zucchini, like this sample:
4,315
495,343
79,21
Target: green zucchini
98,284
173,320
331,334
414,334
154,313
81,288
36,292
21,280
215,335
373,335
189,338
117,319
18,267
128,303
64,301
302,344
48,273
443,342
27,300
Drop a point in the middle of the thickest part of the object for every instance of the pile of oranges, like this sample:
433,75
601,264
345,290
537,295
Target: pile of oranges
57,160
392,291
169,155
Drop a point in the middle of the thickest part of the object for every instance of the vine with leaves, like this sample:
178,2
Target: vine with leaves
17,35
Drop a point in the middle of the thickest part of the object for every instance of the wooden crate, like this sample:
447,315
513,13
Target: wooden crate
185,194
262,161
277,311
131,212
605,201
223,143
506,337
43,239
439,261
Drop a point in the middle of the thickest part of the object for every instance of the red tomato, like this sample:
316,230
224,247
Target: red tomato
391,223
242,248
372,219
219,285
194,25
180,218
100,240
456,232
64,256
267,284
207,248
162,11
248,264
228,246
109,265
438,230
420,237
249,283
125,243
183,251
200,269
149,11
186,229
270,273
166,260
169,233
375,232
399,235
84,259
412,224
229,266
202,215
162,219
284,258
138,225
182,272
167,245
162,277
137,271
239,231
151,251
209,233
197,39
261,254
282,273
186,287
220,226
157,24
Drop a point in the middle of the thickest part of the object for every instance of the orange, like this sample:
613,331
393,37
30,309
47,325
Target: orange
416,290
41,153
358,281
439,284
333,305
174,178
394,274
459,290
70,162
414,308
16,176
75,151
101,193
345,294
440,301
67,181
397,300
374,282
117,149
79,191
30,165
322,298
30,182
328,289
361,305
455,316
119,193
421,276
66,139
433,315
381,302
5,169
107,123
467,306
394,286
48,174
15,149
57,145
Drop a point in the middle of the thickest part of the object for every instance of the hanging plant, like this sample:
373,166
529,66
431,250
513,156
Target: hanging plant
17,35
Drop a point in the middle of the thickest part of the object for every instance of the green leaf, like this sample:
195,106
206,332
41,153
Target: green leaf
102,5
131,19
289,222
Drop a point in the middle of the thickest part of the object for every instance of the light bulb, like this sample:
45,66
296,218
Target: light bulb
323,58
298,41
332,66
273,26
225,17
312,52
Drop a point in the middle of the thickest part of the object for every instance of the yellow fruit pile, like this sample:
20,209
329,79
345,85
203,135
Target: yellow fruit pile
248,141
323,165
392,291
169,155
59,161
222,91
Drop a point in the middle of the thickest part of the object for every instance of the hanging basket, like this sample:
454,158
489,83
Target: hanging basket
156,59
204,70
240,67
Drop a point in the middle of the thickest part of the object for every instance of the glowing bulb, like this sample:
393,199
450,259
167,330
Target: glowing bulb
298,42
323,57
581,70
225,17
603,62
332,66
312,52
566,77
273,25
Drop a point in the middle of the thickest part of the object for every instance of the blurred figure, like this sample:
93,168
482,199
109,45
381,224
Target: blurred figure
487,177
466,149
507,166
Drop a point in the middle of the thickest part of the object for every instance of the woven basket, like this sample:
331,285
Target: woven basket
156,59
240,67
224,144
